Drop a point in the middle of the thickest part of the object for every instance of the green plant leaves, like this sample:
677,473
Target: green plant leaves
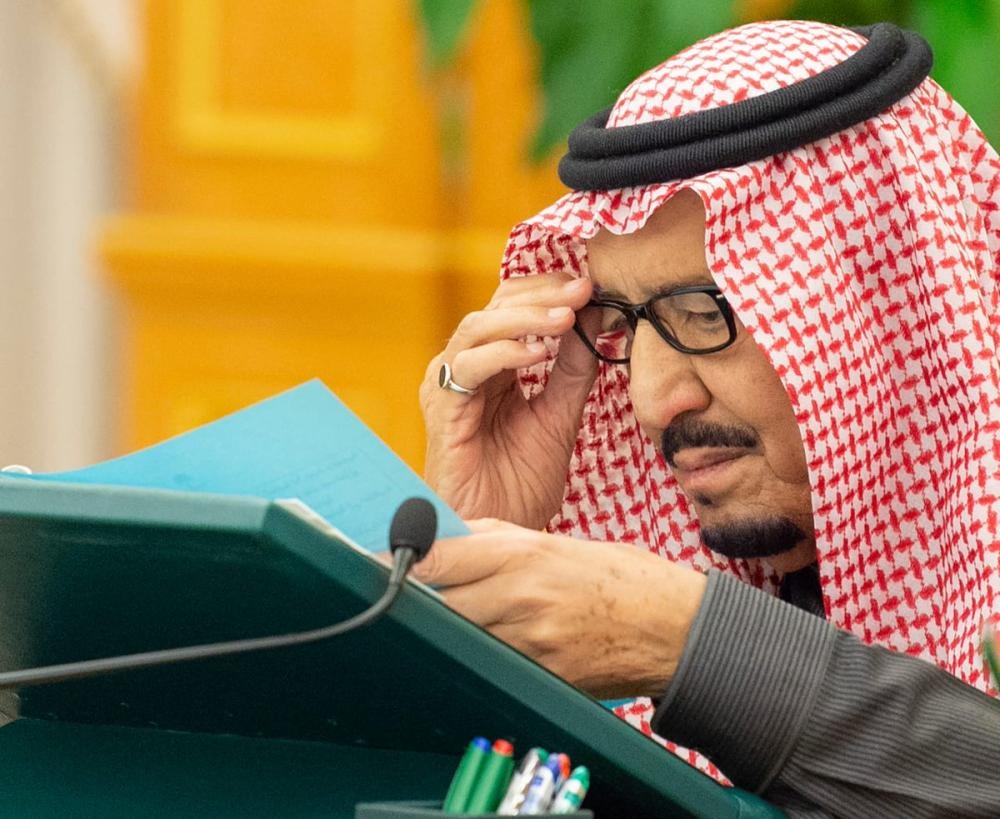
591,49
965,36
445,24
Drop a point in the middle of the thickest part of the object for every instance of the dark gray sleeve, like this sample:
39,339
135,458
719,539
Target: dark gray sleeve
822,725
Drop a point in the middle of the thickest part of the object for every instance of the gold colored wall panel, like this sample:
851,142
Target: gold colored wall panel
219,138
225,313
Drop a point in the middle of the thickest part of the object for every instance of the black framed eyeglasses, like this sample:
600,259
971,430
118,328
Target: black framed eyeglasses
696,320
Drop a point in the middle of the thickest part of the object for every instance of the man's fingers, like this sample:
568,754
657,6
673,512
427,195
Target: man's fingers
492,341
492,525
489,342
549,290
484,326
475,366
565,394
462,560
575,367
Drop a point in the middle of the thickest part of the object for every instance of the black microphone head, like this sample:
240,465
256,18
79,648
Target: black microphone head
414,526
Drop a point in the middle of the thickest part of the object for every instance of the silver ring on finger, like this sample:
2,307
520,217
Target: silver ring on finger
445,382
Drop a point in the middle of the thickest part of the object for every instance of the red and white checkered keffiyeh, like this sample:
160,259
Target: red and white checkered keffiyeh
865,265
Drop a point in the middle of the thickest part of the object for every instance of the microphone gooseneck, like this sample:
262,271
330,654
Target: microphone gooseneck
413,529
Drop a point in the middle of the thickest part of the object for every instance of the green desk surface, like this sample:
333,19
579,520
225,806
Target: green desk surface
381,713
57,770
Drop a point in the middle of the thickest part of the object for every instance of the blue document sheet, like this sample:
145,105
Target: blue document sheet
303,444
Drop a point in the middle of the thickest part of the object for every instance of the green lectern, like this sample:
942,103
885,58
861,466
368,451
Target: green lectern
379,714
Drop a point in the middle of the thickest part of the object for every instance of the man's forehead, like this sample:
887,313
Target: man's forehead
667,252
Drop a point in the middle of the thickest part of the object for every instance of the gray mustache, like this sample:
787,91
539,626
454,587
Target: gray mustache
686,433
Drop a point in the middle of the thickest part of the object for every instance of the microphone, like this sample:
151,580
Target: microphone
413,529
411,534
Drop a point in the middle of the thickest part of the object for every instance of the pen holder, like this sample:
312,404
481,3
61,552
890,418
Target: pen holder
432,810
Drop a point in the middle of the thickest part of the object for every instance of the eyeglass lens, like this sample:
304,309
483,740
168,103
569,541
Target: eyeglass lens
694,321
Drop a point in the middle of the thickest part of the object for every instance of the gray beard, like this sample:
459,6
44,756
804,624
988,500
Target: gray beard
753,538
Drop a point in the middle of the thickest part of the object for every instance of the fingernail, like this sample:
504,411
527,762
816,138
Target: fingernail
559,312
535,346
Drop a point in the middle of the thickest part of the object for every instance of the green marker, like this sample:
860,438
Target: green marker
464,781
571,794
494,777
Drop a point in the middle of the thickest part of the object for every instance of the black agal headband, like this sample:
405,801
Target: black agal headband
888,67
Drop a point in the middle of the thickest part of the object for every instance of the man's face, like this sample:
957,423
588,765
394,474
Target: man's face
723,421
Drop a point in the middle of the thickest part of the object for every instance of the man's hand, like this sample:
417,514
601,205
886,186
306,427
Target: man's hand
611,619
494,453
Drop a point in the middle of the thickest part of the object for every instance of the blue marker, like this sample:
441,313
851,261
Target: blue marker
543,786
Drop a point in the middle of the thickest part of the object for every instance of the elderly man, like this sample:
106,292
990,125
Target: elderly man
761,340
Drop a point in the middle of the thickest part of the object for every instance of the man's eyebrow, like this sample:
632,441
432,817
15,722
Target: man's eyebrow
700,277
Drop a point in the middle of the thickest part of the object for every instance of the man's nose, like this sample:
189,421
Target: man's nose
663,382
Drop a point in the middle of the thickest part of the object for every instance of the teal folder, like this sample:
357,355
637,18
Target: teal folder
379,714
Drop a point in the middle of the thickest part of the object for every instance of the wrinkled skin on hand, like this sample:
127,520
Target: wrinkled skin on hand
495,454
610,618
